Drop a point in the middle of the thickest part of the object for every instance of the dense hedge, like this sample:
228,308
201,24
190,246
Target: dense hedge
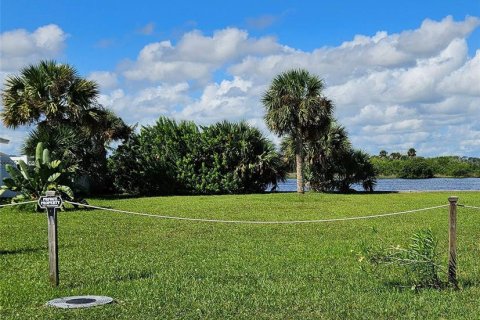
183,158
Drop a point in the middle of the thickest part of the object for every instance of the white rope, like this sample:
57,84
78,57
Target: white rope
16,203
257,222
471,207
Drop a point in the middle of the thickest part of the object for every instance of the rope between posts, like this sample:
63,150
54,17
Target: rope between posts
257,222
471,207
17,203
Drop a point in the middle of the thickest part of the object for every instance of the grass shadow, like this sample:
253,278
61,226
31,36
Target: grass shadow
22,250
135,275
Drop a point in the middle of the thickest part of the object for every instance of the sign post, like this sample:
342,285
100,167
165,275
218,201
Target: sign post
51,202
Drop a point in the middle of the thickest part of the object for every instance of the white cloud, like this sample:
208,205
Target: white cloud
196,56
105,79
227,100
416,88
391,90
432,35
465,80
20,47
16,137
146,105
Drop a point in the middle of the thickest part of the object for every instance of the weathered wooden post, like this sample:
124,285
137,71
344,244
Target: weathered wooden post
452,242
51,202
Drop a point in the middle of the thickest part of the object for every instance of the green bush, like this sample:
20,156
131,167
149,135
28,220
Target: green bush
31,182
416,169
332,163
182,158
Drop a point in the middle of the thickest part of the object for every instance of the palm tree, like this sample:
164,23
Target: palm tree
48,90
412,153
295,106
66,113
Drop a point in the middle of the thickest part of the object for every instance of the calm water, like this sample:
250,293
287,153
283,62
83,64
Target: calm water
407,184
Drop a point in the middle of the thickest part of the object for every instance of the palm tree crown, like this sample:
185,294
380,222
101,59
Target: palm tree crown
295,106
47,91
294,103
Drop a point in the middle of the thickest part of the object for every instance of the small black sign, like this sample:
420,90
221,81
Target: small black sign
50,202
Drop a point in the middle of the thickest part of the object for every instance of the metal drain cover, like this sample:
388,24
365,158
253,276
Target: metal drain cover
79,302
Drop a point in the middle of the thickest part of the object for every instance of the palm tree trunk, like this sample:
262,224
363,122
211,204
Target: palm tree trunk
299,162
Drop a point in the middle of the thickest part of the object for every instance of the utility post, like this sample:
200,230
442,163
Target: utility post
452,242
51,202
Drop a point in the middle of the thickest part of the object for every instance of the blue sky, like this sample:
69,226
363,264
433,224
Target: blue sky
211,60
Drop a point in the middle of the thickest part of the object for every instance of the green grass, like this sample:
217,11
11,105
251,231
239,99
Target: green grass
164,269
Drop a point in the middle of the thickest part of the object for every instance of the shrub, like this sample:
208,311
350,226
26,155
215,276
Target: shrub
181,158
332,163
31,182
419,260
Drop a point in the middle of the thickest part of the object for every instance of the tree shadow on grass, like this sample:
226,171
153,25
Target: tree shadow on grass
337,192
135,275
22,250
403,286
469,283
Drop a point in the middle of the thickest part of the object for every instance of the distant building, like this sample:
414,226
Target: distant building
4,160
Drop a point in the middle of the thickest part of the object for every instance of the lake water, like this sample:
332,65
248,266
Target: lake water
407,184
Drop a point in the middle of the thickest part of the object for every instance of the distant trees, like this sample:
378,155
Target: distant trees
417,169
295,107
395,155
68,119
182,158
412,166
411,153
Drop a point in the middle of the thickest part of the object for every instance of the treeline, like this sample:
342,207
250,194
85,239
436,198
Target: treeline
412,167
172,157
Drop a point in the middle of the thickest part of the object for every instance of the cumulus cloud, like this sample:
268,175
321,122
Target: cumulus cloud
106,79
196,56
391,91
465,80
20,47
226,100
145,106
416,88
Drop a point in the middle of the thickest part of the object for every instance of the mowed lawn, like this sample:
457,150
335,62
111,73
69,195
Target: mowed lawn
166,269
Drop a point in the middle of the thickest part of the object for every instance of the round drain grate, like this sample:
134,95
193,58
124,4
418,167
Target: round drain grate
79,302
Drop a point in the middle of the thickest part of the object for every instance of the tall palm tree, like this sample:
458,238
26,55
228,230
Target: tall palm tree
295,106
61,104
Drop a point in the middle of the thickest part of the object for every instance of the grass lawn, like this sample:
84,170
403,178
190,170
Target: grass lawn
165,269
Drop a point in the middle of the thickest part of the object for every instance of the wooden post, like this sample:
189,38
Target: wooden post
452,242
52,245
51,202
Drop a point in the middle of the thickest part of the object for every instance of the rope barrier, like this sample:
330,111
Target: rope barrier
471,207
257,222
17,203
